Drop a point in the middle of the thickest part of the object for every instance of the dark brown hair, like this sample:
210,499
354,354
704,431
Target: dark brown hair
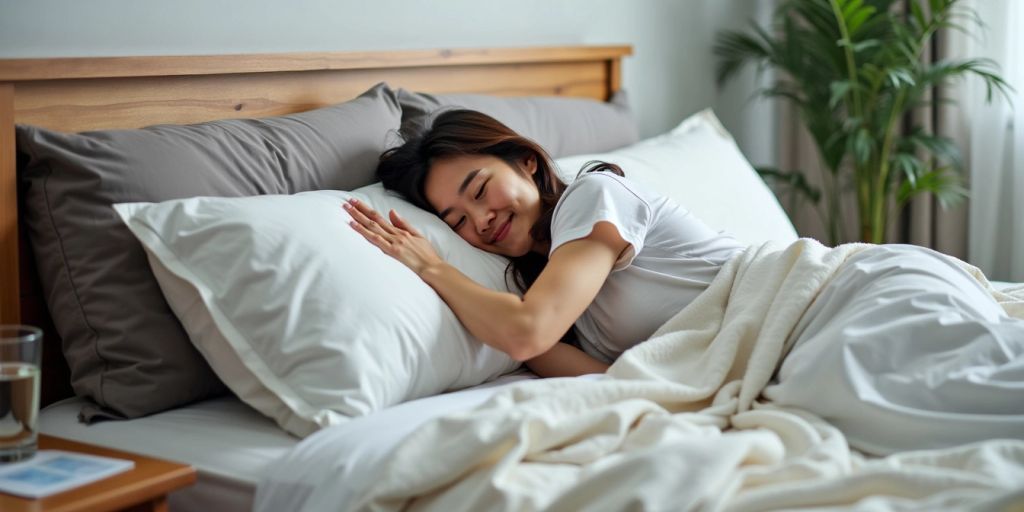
458,132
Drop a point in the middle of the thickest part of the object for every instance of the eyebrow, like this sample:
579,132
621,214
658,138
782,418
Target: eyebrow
462,189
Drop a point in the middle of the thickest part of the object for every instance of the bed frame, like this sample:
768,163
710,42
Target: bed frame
79,94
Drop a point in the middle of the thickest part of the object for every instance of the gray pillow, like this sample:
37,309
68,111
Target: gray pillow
562,126
126,349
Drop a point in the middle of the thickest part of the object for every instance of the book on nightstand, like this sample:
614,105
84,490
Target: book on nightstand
53,471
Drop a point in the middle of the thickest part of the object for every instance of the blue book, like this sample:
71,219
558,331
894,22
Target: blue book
53,471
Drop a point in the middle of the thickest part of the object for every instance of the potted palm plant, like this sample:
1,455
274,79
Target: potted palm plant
853,69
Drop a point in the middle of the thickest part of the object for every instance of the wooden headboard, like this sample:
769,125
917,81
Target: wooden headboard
78,94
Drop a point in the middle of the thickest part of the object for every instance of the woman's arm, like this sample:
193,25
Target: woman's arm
523,328
564,360
527,327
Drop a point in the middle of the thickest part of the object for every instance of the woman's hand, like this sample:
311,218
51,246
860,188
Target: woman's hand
396,238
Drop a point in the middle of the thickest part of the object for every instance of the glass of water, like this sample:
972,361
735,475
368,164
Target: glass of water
21,348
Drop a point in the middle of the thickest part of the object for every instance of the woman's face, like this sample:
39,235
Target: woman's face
487,202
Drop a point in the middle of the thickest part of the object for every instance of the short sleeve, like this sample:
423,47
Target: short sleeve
602,197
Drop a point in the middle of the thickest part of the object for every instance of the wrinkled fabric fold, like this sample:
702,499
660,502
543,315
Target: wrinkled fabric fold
678,422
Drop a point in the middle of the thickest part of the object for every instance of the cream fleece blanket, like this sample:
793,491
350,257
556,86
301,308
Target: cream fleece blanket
677,425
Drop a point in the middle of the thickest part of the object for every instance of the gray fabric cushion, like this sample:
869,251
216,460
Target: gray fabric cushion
126,349
562,126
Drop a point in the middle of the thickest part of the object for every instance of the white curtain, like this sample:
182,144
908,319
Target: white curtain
995,142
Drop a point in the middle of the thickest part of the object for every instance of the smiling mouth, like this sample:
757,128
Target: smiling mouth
502,231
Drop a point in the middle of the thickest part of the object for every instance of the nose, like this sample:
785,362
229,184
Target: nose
483,218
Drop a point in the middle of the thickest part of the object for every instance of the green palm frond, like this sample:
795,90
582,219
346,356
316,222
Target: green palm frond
793,179
943,183
734,50
940,73
910,166
940,147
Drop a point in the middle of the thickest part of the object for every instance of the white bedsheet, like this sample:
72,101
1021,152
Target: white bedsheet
1004,285
677,424
229,444
348,457
906,351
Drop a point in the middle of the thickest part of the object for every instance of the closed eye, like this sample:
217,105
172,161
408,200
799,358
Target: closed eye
480,193
459,224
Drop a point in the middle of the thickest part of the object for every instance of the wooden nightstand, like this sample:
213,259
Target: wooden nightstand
144,488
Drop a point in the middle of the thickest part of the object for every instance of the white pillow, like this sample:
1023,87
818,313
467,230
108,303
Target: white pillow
304,319
698,165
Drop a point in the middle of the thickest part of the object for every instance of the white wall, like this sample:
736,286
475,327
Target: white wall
670,75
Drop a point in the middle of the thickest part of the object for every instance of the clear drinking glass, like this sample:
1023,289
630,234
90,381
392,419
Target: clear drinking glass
21,348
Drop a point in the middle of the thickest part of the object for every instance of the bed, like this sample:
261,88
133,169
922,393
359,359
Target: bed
265,441
229,443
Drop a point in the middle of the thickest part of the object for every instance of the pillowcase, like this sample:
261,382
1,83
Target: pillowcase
698,165
313,325
126,350
562,126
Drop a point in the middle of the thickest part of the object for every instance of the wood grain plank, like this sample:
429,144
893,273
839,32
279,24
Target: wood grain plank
10,295
79,105
614,75
177,65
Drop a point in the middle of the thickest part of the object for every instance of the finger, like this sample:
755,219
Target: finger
401,223
363,225
372,215
365,209
360,214
367,222
371,236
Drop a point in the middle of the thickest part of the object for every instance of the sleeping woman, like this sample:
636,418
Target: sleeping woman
610,261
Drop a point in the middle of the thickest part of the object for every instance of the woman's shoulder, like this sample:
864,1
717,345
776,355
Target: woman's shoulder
602,190
605,180
591,188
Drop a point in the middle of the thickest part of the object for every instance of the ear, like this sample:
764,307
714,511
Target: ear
530,164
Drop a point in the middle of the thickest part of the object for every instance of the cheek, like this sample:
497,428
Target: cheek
469,236
528,197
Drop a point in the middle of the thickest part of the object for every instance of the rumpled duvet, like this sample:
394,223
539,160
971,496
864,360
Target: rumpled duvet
679,423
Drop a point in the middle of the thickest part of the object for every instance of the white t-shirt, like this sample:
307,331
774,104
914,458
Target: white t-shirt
673,256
